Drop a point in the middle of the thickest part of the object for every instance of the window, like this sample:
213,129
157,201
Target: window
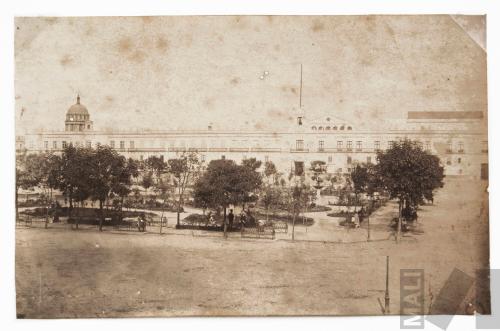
349,144
349,128
342,127
64,144
427,145
299,145
299,120
88,144
141,157
330,159
202,157
321,145
368,159
132,144
327,128
349,160
54,144
313,128
223,157
122,145
335,128
320,128
359,145
459,160
390,144
460,147
449,149
46,144
112,144
339,144
377,144
266,158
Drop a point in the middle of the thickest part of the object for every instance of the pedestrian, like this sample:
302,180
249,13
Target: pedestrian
356,220
242,219
230,217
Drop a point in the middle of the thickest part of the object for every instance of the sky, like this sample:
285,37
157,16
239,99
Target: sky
243,72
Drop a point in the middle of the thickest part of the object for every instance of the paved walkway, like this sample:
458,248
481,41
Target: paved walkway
326,228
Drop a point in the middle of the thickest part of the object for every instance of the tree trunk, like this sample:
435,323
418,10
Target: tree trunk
70,211
101,219
47,216
225,226
161,216
17,199
399,220
293,225
179,211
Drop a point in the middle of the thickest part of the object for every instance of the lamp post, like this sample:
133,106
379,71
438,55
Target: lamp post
387,300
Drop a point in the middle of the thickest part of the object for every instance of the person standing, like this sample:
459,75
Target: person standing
356,220
230,217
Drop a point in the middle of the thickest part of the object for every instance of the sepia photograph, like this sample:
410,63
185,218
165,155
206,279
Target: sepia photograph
252,165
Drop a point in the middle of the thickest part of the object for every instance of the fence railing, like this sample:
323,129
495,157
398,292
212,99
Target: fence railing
258,232
280,227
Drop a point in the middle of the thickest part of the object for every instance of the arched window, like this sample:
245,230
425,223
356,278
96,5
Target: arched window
342,127
349,128
320,128
327,128
314,128
335,127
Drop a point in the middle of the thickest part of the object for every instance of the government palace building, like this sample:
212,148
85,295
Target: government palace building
459,138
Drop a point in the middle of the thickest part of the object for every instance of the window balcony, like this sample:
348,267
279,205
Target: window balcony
461,151
299,150
238,149
265,149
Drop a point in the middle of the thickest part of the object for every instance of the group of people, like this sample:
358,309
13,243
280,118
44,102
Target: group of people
245,219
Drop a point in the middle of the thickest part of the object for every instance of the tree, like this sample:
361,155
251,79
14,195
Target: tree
295,198
109,174
147,181
409,174
250,180
360,179
270,172
73,171
225,183
271,192
185,169
157,167
24,175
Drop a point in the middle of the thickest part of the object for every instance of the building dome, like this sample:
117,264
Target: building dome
78,109
78,118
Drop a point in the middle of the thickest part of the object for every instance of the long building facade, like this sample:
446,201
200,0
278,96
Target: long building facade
458,138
